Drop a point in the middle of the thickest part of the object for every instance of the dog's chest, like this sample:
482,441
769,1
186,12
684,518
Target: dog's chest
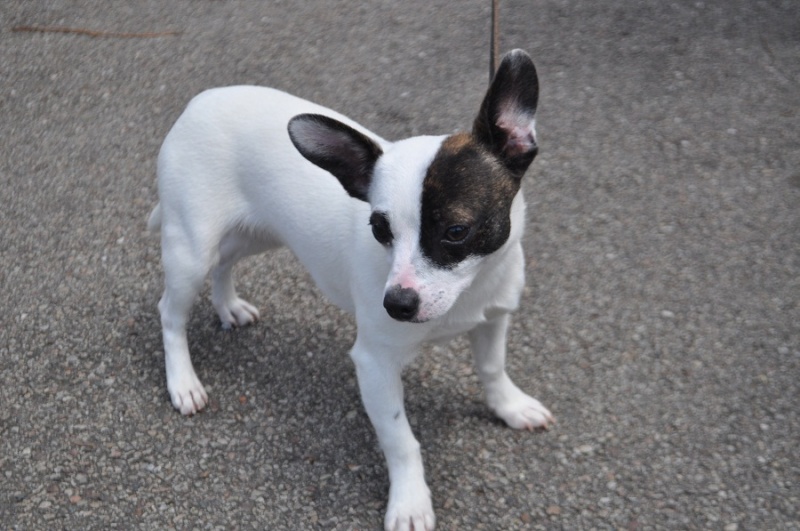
461,322
494,293
444,334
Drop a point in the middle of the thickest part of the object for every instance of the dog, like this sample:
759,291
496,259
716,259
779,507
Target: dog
419,239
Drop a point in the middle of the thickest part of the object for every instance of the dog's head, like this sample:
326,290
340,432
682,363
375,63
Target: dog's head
439,204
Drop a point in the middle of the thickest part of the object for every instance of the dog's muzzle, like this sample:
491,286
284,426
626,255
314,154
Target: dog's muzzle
401,303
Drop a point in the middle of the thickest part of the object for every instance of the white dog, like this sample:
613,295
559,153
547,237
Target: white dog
419,239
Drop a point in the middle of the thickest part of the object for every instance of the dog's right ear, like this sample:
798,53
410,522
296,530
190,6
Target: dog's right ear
506,121
337,148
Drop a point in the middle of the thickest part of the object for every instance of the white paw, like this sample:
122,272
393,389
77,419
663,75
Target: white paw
410,510
523,412
237,313
188,395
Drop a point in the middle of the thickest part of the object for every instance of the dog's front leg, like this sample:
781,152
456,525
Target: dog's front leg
511,404
379,379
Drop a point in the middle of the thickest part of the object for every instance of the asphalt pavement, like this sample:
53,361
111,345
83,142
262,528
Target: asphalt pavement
661,324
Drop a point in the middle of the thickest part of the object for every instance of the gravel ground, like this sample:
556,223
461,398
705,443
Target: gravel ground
660,324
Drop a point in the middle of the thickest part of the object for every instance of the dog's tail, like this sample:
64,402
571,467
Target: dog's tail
154,221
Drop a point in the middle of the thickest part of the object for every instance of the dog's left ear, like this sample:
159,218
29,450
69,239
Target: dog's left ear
338,148
506,121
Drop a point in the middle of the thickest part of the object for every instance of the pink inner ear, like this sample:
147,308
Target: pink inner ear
520,133
518,126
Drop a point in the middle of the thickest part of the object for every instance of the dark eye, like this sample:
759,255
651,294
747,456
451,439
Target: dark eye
456,233
380,228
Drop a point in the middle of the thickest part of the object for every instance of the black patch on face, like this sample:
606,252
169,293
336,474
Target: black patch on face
466,202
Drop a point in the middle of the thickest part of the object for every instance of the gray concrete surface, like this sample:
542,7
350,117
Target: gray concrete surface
660,324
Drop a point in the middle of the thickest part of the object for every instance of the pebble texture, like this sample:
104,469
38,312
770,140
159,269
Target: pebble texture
660,324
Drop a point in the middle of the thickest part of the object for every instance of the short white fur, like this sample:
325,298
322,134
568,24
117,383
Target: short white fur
232,184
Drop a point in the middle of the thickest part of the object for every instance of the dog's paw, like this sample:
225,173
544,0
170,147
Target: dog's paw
410,510
188,395
237,313
523,412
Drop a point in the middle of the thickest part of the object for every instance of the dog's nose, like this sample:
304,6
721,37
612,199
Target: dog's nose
401,303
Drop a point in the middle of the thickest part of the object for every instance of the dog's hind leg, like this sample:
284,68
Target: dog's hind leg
184,273
234,311
508,402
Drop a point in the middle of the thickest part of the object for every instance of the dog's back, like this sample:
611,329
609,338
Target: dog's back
228,166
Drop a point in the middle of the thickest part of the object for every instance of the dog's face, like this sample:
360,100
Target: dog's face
439,204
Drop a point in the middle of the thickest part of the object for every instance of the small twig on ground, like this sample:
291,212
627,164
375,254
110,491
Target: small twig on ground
93,33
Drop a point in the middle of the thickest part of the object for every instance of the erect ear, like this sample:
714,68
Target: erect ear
506,121
338,148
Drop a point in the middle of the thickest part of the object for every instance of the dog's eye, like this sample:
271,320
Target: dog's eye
456,233
380,228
